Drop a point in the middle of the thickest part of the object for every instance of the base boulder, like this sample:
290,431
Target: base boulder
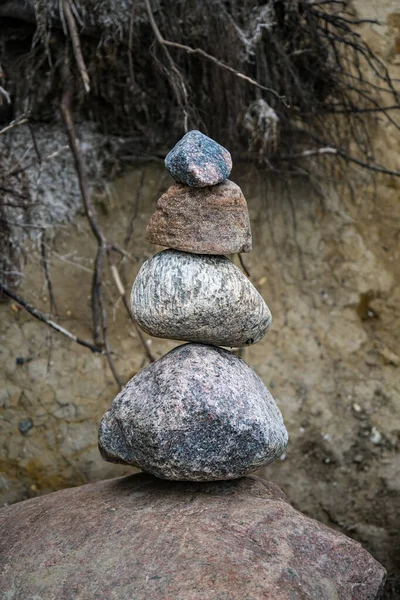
143,538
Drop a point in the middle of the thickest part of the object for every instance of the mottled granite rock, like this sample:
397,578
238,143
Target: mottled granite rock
145,539
204,221
198,161
198,298
198,413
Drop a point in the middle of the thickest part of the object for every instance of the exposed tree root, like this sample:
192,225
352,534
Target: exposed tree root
99,310
42,317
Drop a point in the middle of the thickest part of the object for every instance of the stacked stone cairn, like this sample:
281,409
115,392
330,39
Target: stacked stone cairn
199,413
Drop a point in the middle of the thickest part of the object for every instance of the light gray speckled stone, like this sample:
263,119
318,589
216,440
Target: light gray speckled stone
198,298
199,413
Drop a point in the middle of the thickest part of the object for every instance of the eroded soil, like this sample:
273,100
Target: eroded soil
328,266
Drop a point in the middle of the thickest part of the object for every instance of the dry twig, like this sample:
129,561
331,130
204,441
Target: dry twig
307,51
41,317
242,264
16,123
98,305
122,292
205,54
180,89
76,44
45,267
32,163
135,209
130,46
371,166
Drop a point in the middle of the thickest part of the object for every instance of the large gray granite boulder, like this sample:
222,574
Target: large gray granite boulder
198,298
198,413
140,538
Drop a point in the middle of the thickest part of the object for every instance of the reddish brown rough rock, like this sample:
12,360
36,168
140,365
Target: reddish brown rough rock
210,220
143,538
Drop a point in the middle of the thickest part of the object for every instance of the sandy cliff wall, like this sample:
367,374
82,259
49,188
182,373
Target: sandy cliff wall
329,268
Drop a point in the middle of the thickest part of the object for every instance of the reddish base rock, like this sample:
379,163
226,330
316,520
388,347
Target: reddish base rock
140,538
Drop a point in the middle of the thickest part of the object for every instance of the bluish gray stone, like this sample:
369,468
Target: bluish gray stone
199,413
198,161
198,298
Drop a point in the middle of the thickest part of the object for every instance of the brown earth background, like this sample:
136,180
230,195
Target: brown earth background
328,265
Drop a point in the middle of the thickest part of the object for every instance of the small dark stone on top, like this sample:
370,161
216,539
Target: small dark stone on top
198,161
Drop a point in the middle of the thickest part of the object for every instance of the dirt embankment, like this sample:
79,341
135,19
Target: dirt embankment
329,269
328,266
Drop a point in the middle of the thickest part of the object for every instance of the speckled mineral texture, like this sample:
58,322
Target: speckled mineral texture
204,221
147,539
198,161
199,413
198,298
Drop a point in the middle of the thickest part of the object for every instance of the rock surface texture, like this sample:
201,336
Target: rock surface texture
204,221
198,161
198,413
147,539
198,298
